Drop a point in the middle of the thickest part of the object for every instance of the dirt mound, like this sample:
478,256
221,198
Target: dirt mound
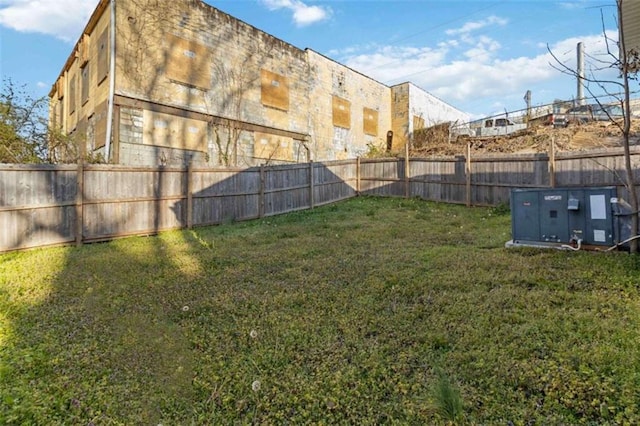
435,141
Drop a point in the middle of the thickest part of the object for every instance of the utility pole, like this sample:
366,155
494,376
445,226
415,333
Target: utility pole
527,99
580,72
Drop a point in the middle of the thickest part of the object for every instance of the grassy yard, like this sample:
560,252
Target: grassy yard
366,312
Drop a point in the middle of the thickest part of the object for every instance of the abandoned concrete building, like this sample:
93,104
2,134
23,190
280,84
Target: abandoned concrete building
171,82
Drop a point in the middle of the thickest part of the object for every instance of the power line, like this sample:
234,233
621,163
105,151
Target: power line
396,42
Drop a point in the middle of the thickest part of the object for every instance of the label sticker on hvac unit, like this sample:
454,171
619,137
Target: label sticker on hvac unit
553,197
598,207
599,236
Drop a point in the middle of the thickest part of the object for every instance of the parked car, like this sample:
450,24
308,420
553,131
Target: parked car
499,127
586,113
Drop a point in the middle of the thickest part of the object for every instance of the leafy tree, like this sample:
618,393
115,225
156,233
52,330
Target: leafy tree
23,125
25,134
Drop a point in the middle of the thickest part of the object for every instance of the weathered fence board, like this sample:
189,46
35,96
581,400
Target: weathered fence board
224,195
438,179
334,181
384,177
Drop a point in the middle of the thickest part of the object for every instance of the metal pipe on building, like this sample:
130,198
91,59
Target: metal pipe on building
580,72
112,80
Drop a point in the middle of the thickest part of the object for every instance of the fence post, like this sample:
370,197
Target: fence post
467,171
190,195
311,188
261,193
552,163
358,176
80,199
406,170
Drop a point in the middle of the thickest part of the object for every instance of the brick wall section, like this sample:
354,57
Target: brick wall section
329,78
237,52
131,126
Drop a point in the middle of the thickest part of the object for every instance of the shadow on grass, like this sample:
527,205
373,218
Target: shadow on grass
97,340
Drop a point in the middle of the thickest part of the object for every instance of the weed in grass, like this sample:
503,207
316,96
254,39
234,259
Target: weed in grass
440,342
448,402
501,209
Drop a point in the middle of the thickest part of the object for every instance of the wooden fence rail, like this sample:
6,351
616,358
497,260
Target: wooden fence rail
43,205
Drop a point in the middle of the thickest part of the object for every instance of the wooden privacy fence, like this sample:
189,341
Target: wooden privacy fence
487,180
44,205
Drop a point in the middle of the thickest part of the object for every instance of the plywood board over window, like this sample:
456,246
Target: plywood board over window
272,147
60,87
72,94
84,48
103,55
81,132
188,62
370,121
275,90
173,131
341,112
100,131
85,82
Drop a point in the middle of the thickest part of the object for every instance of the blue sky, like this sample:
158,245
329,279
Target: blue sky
479,56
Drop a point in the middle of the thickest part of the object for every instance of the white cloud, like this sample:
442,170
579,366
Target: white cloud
63,19
303,14
476,25
573,5
42,85
478,75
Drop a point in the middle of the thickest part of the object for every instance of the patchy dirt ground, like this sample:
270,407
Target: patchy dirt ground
538,139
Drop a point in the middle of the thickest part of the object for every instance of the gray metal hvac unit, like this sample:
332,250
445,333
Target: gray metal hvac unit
562,216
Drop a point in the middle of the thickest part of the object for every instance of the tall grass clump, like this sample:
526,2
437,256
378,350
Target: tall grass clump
447,398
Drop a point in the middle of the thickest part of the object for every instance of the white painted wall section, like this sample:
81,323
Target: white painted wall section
431,109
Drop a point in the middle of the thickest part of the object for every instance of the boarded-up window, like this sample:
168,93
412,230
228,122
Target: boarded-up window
341,112
271,147
174,131
103,56
72,94
60,87
188,62
84,80
55,116
61,119
275,90
418,123
100,130
370,121
81,133
84,50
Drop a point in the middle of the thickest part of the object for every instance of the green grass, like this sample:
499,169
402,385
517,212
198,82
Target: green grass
365,312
